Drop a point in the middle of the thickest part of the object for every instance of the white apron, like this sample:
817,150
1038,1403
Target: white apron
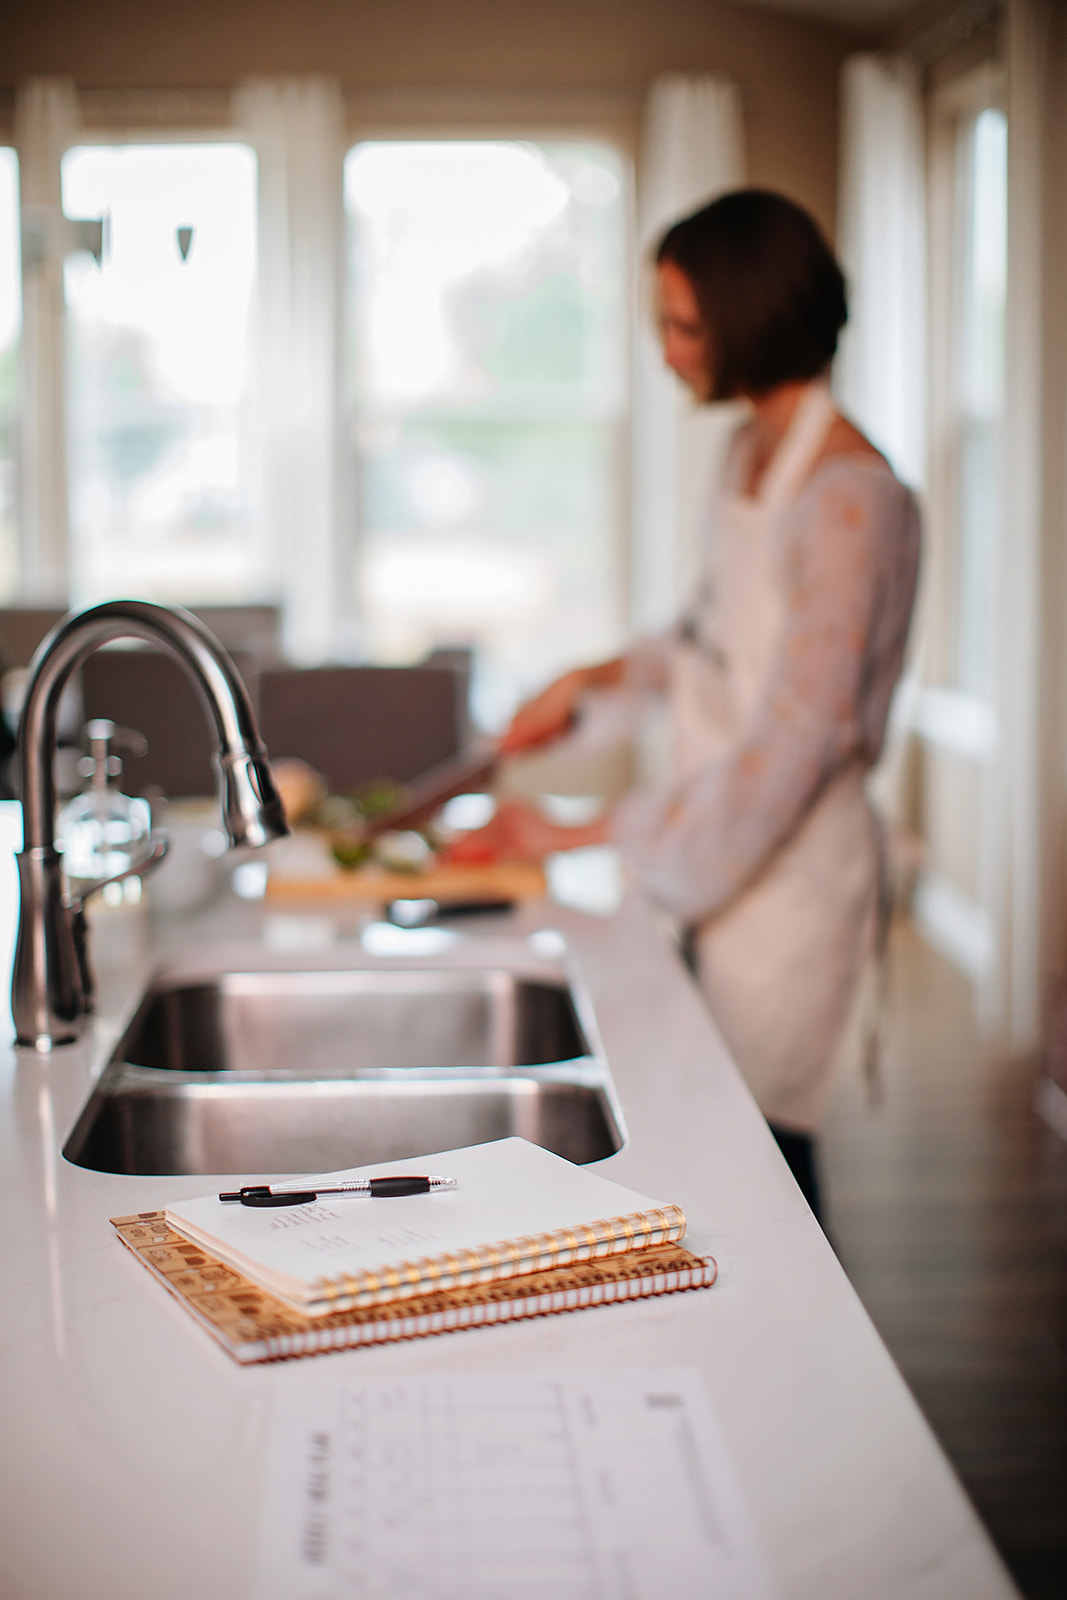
780,966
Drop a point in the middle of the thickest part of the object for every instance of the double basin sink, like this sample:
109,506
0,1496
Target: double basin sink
259,1071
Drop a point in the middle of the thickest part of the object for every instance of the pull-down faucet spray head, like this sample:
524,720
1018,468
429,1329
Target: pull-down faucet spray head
252,811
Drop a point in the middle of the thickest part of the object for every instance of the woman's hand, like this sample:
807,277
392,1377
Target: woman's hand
519,832
550,714
546,716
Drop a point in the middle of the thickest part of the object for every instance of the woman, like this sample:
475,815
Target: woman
779,672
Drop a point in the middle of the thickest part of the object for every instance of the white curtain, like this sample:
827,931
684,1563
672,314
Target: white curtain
1023,859
46,120
296,126
880,372
691,150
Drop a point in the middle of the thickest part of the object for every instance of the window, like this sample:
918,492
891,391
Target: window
978,370
10,325
481,419
158,372
486,381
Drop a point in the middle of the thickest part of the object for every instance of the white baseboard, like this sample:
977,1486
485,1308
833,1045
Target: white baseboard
954,924
1050,1103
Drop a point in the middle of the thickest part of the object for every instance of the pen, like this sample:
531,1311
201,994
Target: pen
262,1194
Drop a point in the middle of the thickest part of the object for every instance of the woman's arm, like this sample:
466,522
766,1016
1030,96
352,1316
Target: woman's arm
519,831
852,551
549,715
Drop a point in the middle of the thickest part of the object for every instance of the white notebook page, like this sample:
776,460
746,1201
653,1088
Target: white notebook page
505,1189
612,1485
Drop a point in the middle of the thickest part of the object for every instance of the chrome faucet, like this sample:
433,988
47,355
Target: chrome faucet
51,985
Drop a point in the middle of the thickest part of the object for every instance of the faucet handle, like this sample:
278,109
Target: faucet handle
158,845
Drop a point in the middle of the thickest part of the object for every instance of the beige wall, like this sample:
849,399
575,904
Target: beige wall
787,70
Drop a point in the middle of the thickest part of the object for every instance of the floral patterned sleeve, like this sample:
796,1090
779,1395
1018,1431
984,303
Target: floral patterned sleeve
852,555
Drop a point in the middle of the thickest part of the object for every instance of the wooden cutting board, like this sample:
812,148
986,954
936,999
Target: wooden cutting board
499,880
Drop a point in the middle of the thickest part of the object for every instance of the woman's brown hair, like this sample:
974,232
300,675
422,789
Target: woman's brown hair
770,291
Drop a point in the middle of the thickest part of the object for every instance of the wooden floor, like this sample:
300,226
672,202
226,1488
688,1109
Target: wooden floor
948,1206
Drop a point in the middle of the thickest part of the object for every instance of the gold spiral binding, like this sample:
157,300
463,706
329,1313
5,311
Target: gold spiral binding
509,1258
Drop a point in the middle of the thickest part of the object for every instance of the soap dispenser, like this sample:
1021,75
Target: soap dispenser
103,832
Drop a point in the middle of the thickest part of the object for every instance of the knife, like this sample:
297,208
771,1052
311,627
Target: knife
464,773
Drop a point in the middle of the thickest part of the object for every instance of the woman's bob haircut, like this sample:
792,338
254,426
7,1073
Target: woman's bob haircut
770,292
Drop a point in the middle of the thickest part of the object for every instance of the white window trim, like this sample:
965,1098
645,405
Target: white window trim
951,106
50,119
948,720
542,117
99,117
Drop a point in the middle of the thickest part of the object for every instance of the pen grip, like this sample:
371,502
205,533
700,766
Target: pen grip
384,1187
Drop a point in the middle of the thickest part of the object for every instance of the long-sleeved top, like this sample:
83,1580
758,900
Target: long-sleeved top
779,675
846,548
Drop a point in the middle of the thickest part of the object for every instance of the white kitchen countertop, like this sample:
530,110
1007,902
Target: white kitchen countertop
132,1447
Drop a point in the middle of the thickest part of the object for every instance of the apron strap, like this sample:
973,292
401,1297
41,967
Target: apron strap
800,445
875,1027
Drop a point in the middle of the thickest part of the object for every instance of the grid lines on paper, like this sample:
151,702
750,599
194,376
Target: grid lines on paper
435,1491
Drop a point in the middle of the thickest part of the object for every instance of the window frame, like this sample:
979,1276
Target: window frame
98,117
540,118
953,112
112,117
7,142
99,132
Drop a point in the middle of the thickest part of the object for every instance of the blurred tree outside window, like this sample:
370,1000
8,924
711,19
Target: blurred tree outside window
486,379
10,330
158,373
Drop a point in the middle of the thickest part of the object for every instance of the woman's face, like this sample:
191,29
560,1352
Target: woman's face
681,329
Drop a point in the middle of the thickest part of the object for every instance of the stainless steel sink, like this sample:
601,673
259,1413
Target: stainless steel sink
264,1072
322,1023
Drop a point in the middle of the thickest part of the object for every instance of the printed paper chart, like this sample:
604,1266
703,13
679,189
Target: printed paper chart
550,1486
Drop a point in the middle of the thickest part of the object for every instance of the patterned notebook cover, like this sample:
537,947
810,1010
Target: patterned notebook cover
252,1325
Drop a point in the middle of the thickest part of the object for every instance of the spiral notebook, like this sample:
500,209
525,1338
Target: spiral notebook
252,1326
516,1209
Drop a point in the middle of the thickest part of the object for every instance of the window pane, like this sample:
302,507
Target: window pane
981,390
10,329
158,365
487,379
